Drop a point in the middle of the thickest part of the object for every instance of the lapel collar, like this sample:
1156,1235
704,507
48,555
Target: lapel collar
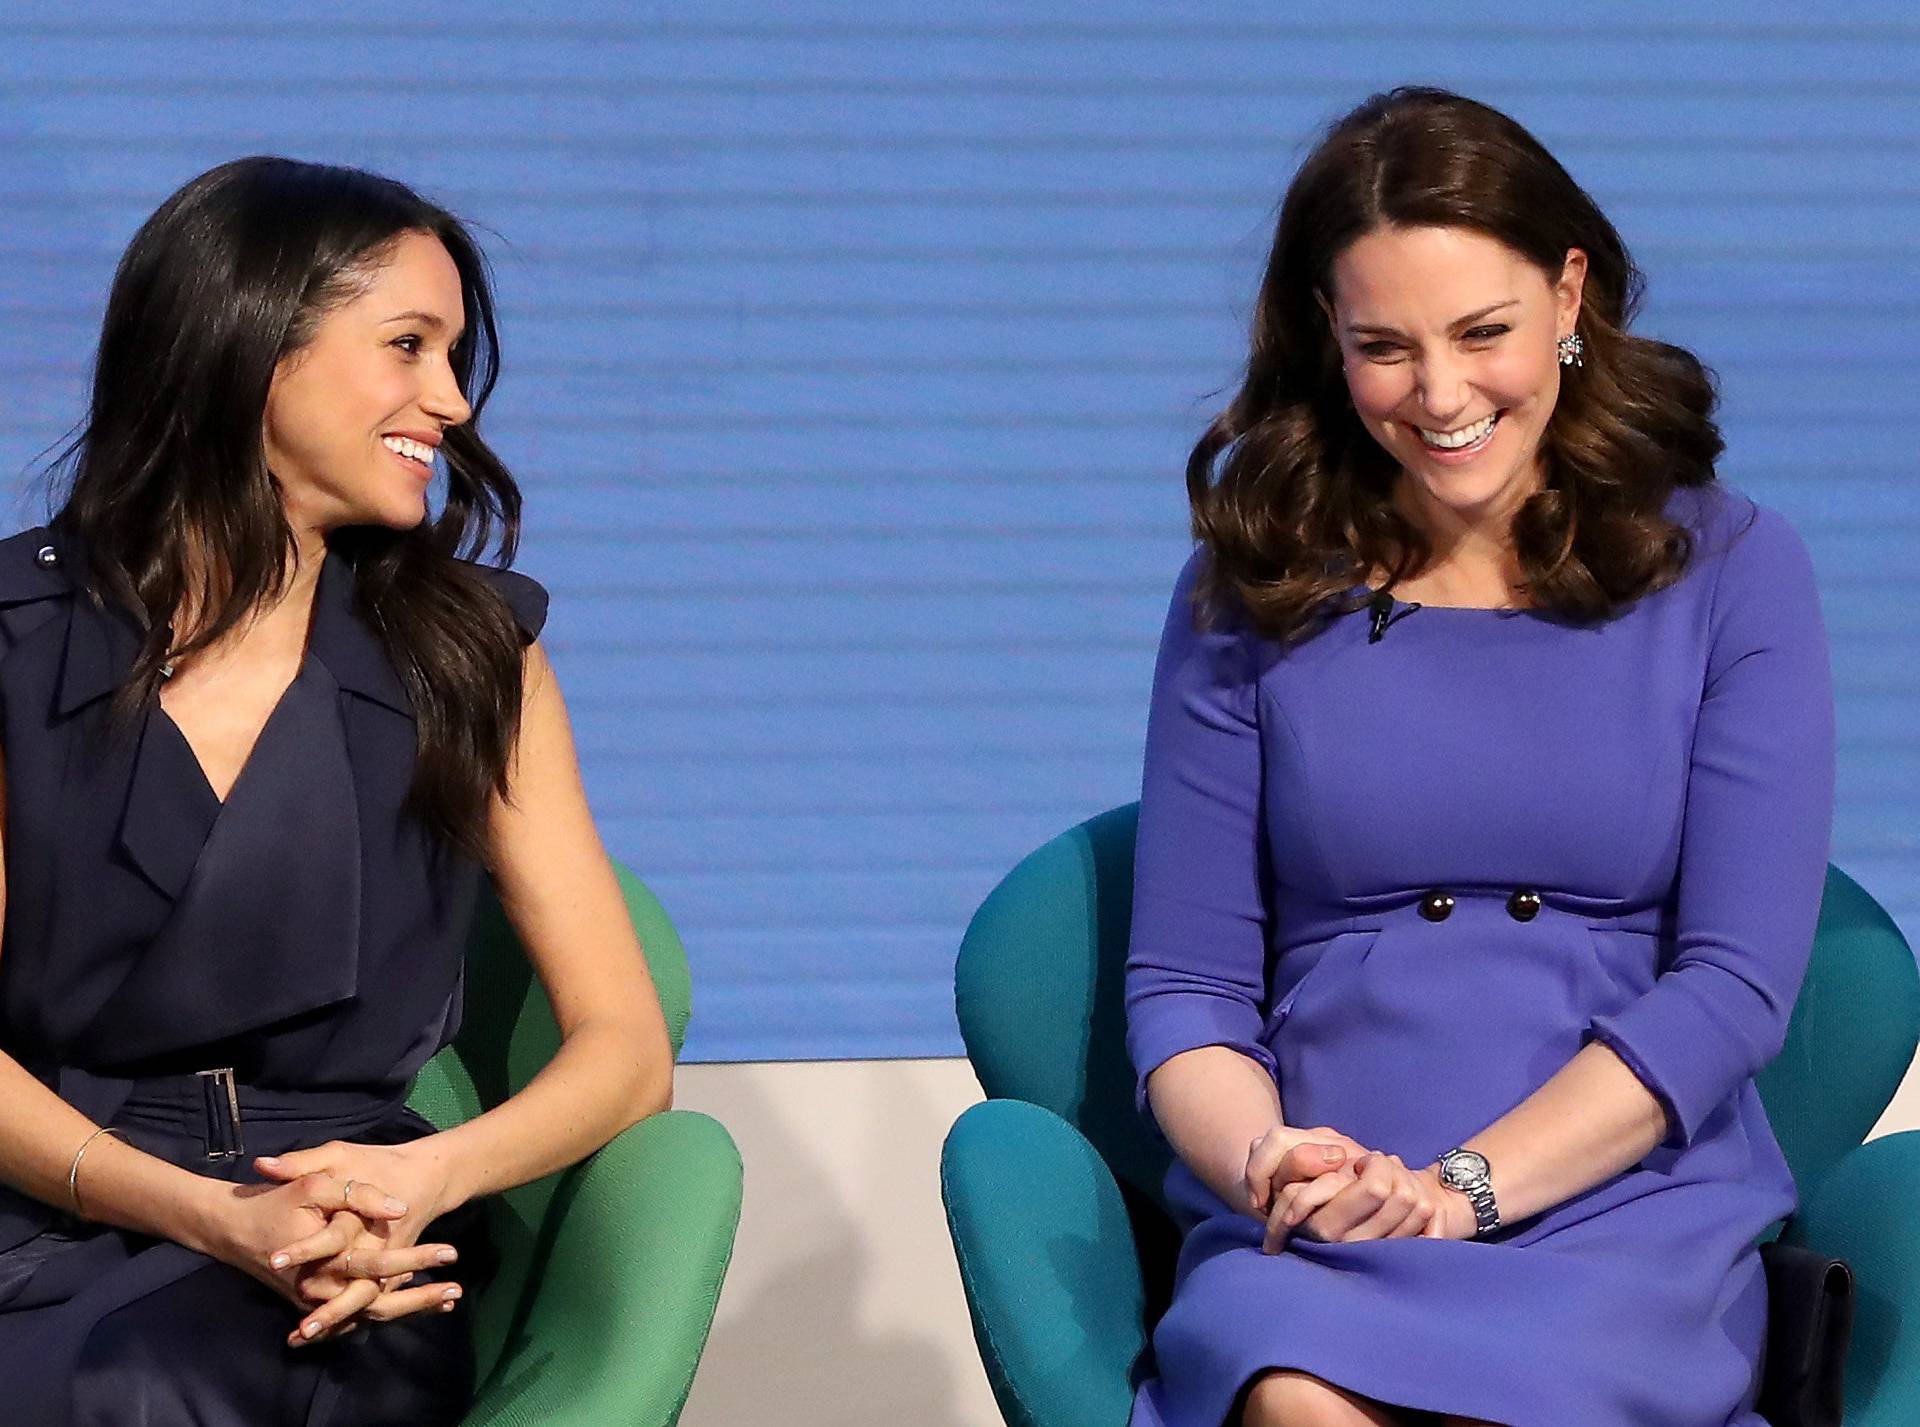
347,644
170,811
266,923
103,642
101,646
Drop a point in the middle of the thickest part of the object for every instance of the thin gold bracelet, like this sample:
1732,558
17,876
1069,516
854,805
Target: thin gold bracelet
73,1170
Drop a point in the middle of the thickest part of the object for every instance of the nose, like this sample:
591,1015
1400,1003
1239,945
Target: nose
1445,391
443,399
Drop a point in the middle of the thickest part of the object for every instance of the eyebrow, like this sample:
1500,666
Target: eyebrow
425,319
1360,327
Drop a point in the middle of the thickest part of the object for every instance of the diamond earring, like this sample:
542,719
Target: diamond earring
1571,347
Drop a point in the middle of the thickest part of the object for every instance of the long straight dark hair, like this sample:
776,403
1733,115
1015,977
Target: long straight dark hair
167,486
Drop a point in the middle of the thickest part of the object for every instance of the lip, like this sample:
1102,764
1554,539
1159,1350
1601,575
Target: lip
1466,455
421,473
425,438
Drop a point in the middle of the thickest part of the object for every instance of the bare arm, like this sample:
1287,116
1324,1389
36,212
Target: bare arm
615,1063
1211,1103
1592,1120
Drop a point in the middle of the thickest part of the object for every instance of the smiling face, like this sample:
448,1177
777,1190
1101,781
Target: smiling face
1441,331
354,416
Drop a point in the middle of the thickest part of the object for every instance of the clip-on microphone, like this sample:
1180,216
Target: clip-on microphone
1380,615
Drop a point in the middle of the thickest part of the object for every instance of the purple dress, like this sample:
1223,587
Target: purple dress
1663,784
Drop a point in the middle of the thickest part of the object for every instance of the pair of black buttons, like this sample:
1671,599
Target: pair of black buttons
1522,906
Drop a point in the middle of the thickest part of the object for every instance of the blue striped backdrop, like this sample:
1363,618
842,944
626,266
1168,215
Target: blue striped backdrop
853,355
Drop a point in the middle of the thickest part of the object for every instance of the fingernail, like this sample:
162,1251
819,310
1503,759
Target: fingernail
269,1159
394,1206
445,1256
307,1330
1330,1153
452,1292
281,1260
447,1307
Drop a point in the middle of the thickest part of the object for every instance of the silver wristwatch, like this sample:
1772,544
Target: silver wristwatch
1469,1172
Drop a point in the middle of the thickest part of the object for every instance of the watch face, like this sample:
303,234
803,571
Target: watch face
1464,1169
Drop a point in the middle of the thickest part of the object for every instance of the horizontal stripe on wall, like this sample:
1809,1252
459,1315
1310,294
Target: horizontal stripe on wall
852,360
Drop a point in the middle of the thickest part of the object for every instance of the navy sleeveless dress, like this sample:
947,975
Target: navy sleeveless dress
1411,878
304,939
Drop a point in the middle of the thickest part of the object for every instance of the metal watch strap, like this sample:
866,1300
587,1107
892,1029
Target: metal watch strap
1479,1192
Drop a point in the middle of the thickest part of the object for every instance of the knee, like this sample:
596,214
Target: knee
1297,1399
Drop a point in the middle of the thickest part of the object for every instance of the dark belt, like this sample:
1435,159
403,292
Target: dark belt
223,1113
207,1122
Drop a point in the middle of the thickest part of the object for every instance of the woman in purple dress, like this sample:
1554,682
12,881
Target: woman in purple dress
1486,809
264,725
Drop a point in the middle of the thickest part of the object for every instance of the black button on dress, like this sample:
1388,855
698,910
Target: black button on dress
306,932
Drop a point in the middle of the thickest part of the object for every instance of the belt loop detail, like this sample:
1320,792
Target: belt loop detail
224,1138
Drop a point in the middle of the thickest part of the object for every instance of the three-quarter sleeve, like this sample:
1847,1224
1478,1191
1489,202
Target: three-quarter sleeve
1755,839
1196,963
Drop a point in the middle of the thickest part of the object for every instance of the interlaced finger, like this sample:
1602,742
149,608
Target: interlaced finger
398,1303
1286,1157
1402,1214
1294,1203
369,1201
1383,1181
335,1311
341,1229
365,1262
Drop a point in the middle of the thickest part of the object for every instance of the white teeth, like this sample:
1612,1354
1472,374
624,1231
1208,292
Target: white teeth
412,450
1454,440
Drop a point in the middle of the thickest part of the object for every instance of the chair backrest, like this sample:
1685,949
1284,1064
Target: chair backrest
507,1033
1040,982
1852,1035
1039,988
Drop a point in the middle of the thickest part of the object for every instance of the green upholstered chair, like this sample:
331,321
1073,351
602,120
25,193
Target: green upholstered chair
609,1270
1052,1186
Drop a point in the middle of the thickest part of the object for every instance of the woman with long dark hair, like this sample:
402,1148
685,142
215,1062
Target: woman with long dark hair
1488,790
265,724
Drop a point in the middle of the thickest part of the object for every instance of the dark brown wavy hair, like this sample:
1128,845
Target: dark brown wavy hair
230,275
1291,494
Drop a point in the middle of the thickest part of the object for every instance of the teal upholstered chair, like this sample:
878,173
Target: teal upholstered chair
1052,1186
610,1270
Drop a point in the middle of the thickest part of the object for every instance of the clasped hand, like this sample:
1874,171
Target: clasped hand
336,1230
1329,1187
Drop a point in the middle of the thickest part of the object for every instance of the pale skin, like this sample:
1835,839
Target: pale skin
1409,310
380,364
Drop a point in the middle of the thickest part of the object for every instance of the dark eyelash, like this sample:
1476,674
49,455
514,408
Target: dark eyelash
401,342
1480,334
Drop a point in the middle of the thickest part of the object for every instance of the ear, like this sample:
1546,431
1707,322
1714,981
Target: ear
1573,281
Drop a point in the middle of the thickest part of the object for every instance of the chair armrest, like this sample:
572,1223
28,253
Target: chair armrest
1047,1259
1864,1210
632,1251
